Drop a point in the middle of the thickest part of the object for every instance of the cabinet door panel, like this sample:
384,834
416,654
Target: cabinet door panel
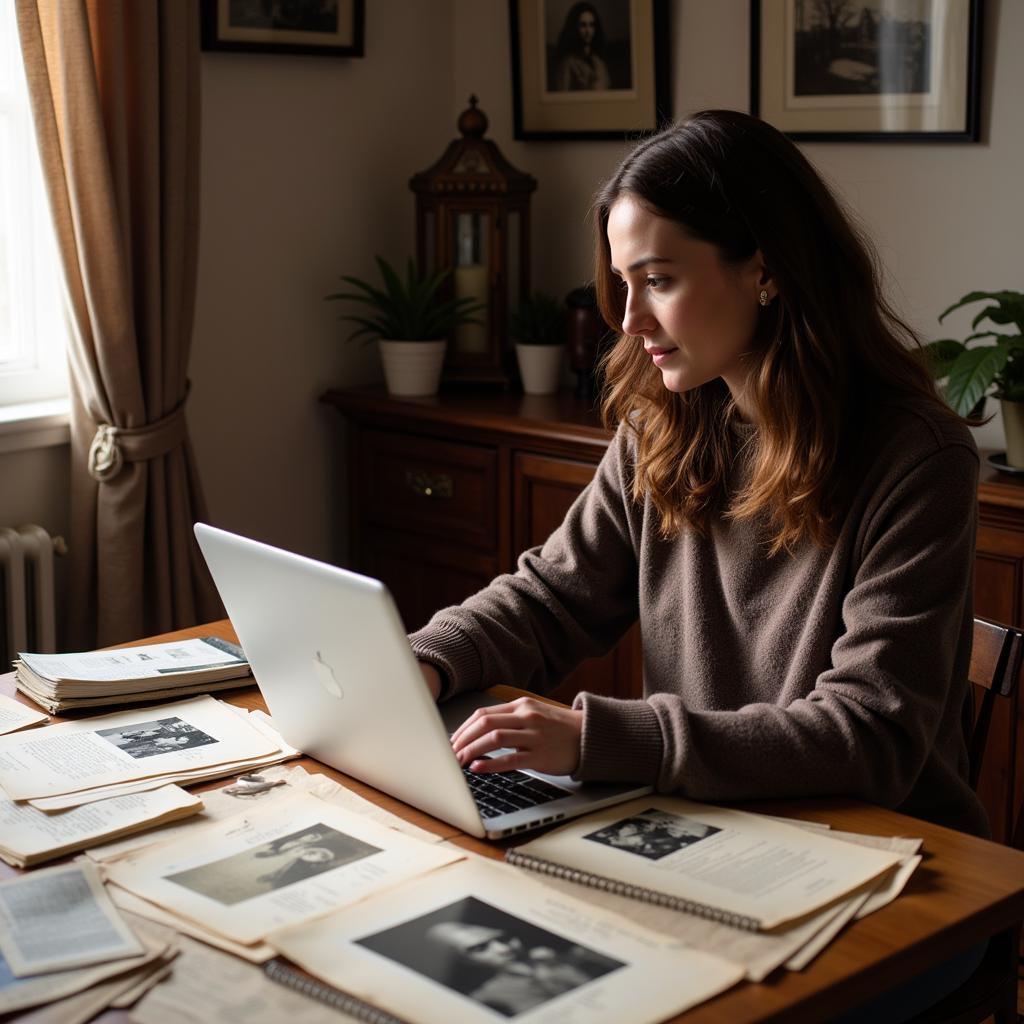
423,577
426,485
543,488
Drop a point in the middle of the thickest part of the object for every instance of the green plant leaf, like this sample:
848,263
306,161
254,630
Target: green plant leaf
972,374
940,355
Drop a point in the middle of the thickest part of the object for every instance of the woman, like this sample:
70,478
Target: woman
578,62
787,507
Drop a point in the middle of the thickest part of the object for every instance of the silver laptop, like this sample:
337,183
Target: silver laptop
330,655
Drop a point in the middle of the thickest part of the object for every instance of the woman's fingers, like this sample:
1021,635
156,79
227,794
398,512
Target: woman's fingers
543,736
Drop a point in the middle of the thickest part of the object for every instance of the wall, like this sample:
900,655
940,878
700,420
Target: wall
305,169
946,219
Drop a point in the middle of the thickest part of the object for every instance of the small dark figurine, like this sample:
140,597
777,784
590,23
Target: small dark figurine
586,334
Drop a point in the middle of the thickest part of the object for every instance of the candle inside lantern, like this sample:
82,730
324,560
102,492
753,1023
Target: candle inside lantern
471,283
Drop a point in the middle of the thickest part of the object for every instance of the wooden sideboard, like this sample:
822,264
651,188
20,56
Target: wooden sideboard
445,492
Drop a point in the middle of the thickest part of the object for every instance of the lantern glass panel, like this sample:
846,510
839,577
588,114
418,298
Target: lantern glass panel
472,278
428,244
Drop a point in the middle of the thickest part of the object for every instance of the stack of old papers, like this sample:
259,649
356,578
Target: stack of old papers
127,675
361,905
64,943
247,794
29,836
759,891
70,786
477,936
61,766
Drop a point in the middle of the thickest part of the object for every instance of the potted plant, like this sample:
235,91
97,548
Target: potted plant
969,371
411,320
537,326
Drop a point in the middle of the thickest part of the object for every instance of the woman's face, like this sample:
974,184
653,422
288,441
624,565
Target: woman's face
587,27
316,855
694,313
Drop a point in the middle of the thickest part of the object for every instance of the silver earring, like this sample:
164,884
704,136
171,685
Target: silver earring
763,297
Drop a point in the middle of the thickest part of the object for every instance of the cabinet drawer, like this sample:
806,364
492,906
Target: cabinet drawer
427,486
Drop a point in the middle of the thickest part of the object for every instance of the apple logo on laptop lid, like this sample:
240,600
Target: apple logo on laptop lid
325,677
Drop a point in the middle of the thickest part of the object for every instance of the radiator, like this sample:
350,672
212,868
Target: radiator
27,592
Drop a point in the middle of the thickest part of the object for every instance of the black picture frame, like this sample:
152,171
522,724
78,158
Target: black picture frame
636,98
803,96
239,26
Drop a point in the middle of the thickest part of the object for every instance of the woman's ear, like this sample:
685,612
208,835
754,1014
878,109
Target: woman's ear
761,276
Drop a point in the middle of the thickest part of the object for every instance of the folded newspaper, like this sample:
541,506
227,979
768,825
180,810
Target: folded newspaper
62,682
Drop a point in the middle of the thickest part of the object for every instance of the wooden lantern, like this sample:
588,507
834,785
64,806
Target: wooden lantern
473,218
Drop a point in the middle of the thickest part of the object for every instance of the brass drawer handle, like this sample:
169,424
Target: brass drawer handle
429,485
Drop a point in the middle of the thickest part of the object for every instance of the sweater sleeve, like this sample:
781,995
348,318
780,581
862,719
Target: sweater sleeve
570,599
868,724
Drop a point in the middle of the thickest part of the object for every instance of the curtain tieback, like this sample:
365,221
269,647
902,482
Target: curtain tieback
113,446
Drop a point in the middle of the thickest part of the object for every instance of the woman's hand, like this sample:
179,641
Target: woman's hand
433,679
544,737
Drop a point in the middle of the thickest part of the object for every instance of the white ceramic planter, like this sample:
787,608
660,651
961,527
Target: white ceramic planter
540,367
1013,428
412,367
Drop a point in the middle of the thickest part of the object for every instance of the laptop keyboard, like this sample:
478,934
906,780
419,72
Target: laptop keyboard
503,792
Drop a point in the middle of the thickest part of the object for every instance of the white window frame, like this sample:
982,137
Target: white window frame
33,328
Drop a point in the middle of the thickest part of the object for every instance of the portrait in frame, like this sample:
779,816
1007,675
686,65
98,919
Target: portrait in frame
327,28
867,70
590,70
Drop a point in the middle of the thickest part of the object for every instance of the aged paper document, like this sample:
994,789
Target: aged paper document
209,987
295,859
743,869
477,937
258,790
29,836
125,746
61,918
14,715
136,908
20,993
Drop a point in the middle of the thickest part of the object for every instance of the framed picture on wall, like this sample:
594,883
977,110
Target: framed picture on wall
593,70
328,28
874,70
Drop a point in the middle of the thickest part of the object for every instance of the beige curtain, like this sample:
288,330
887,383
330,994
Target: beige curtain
114,86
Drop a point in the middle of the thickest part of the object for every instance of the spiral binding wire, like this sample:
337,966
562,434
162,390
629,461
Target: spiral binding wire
633,892
283,975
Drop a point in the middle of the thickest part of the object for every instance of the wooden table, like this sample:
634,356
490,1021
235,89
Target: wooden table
965,890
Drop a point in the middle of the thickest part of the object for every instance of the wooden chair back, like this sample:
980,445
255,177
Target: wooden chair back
996,659
990,994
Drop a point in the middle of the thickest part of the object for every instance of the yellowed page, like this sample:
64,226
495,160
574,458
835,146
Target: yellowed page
208,987
14,715
28,835
296,859
60,918
741,868
478,939
125,746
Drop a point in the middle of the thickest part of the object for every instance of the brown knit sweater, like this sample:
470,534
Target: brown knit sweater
807,674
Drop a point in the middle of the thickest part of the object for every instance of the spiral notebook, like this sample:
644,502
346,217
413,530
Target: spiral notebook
742,869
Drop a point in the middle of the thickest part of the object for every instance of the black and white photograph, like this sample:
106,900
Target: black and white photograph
274,865
653,834
593,69
489,956
331,28
588,45
160,736
848,47
867,70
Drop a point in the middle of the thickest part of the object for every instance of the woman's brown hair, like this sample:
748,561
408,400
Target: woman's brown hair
827,349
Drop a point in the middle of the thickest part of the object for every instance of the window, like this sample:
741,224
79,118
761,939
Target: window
33,333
